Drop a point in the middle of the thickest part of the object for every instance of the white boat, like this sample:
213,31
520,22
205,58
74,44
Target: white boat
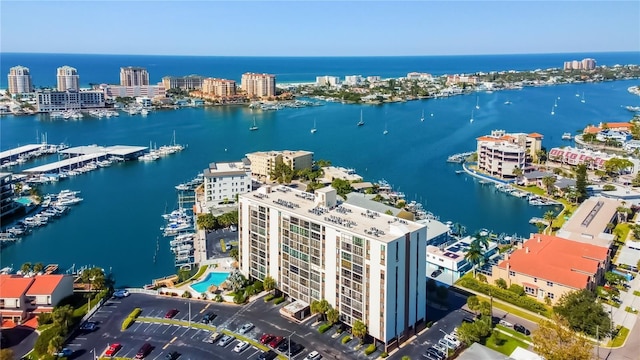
385,132
583,99
149,157
633,108
471,120
566,136
553,110
555,103
422,117
144,112
361,122
313,130
507,102
254,127
477,102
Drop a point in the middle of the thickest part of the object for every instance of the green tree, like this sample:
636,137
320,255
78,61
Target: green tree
614,166
359,330
234,254
95,277
333,316
581,182
62,317
55,344
583,313
25,268
237,281
281,172
38,267
474,255
553,340
473,303
517,289
206,221
517,172
269,283
501,283
343,187
186,294
549,216
484,308
548,182
6,354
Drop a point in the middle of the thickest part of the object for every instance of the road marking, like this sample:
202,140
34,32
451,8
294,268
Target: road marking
168,327
150,324
74,344
81,338
186,331
254,353
138,325
197,332
174,331
169,343
157,356
205,308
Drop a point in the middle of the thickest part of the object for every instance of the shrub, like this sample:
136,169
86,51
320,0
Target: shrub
504,295
42,342
44,318
384,354
429,324
278,300
346,339
135,313
218,298
127,322
323,328
406,358
608,187
269,297
370,349
258,286
239,298
186,294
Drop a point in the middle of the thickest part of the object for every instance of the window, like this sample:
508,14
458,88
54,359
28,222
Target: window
512,273
550,295
535,280
529,290
549,284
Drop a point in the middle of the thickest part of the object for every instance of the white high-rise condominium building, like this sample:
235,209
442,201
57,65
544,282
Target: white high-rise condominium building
259,85
369,266
68,78
134,76
19,80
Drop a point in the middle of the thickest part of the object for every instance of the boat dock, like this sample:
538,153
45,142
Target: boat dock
535,220
459,158
51,269
83,155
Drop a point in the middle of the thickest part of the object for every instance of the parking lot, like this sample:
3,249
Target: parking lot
214,250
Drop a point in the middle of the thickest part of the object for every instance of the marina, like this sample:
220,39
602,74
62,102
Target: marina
22,154
460,157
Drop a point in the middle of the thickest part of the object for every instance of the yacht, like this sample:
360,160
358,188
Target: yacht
385,132
477,102
507,102
313,130
471,120
422,117
583,100
553,110
361,122
566,136
254,127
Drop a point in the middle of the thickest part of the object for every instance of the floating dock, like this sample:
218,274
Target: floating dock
14,154
82,155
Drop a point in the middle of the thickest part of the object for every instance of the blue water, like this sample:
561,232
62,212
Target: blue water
106,68
213,278
117,225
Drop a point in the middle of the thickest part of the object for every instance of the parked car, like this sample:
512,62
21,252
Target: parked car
245,328
435,354
112,349
267,355
275,342
266,338
294,349
172,355
521,329
313,356
284,346
66,352
226,340
208,317
440,348
213,338
119,294
436,273
89,326
241,346
145,349
171,313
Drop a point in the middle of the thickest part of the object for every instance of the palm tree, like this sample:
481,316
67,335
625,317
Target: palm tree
269,283
55,344
359,330
315,308
25,268
548,182
482,240
474,255
236,281
517,172
549,216
333,316
37,267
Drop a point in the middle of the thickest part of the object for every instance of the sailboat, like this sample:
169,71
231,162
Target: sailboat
254,127
583,100
313,130
477,102
422,117
361,122
471,120
385,132
508,102
553,110
555,103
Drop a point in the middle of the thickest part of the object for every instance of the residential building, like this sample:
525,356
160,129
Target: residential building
615,135
331,173
151,91
368,265
374,78
573,156
500,153
19,80
219,87
480,352
134,76
327,80
462,79
258,85
144,101
190,82
224,181
48,100
419,76
446,262
549,266
592,222
584,64
353,80
263,162
68,78
21,297
7,205
618,126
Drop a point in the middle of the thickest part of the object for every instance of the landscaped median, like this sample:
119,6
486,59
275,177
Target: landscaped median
207,327
619,339
131,318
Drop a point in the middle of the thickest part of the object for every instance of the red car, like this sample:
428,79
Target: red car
171,313
266,338
275,342
112,349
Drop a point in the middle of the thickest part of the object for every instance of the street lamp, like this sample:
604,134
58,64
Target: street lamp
444,332
289,347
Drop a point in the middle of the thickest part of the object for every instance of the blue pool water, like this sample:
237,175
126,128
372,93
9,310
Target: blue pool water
213,278
24,200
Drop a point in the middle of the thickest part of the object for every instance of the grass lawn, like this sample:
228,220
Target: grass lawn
223,246
503,343
512,310
514,333
636,292
630,310
624,229
620,338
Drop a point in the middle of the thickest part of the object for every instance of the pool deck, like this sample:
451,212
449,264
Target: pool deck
221,265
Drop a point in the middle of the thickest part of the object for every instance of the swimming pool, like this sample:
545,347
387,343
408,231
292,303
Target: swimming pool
24,200
213,278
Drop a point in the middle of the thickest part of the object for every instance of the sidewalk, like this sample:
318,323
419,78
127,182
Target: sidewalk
619,315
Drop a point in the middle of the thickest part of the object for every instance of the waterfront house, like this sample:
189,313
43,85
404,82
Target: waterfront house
446,262
615,135
618,126
573,156
549,266
535,177
7,203
499,153
22,297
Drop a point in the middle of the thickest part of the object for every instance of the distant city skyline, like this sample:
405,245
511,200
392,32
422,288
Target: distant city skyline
315,28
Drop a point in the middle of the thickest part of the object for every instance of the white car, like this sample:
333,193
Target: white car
245,328
241,346
313,356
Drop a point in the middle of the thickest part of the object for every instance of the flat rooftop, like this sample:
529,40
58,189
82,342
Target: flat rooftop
351,218
225,169
63,163
19,150
118,150
589,222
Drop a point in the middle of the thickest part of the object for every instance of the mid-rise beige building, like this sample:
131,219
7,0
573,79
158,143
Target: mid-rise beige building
368,265
264,162
259,85
190,82
219,87
19,80
68,78
500,153
224,181
134,76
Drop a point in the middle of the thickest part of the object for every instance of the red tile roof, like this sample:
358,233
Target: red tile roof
558,260
535,136
44,284
12,286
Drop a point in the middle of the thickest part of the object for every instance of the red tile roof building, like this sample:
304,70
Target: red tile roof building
500,153
20,297
548,267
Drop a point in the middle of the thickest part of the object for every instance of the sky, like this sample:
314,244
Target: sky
318,28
